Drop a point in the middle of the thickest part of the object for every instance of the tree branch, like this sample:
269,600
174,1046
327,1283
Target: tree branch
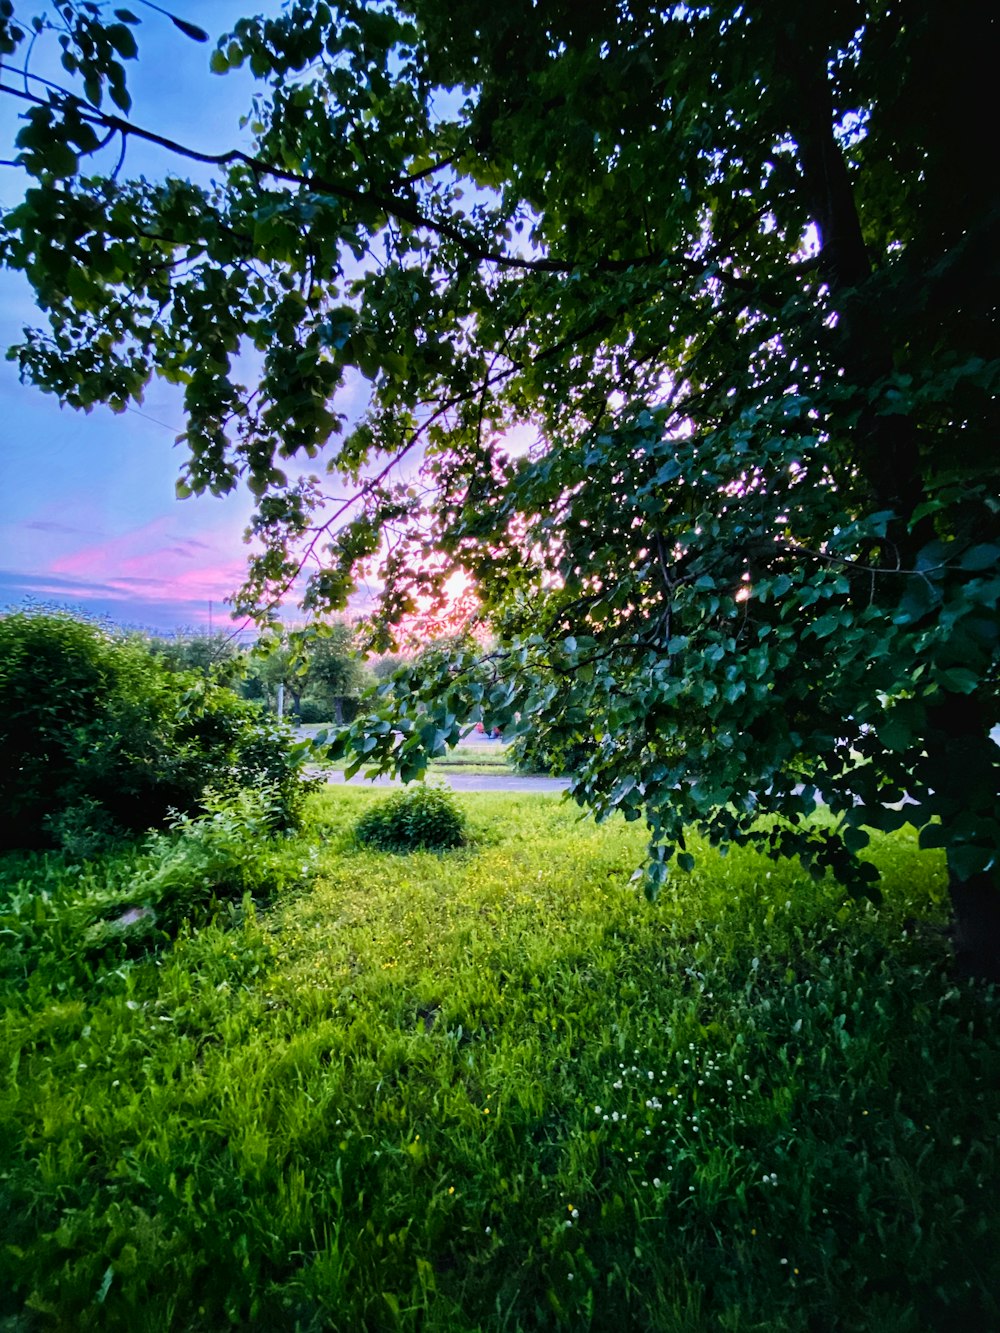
389,203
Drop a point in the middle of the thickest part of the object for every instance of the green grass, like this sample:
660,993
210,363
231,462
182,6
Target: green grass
483,759
494,1089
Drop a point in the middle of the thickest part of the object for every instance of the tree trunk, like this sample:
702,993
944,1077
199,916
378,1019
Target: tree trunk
976,926
959,765
960,768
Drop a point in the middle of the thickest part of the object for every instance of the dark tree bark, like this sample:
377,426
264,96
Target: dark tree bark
960,754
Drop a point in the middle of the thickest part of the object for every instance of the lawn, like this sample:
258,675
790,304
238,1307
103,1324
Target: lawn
481,758
494,1089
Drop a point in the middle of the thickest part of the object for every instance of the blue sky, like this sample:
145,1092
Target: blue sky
88,516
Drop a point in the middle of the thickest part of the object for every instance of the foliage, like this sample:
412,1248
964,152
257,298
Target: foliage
418,1095
203,861
419,818
194,651
386,665
731,267
100,738
320,668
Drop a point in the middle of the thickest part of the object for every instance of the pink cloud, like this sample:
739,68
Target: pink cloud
149,558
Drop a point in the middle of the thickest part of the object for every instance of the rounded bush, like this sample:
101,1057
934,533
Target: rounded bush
418,818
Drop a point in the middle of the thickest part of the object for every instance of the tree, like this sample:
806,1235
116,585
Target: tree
195,651
731,266
336,674
320,668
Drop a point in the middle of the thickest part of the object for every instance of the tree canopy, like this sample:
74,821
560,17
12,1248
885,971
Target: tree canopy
679,328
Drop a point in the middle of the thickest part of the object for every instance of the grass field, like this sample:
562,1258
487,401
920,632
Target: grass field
493,1090
482,758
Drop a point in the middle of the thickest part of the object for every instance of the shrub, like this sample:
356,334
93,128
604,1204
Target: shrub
99,738
417,818
209,859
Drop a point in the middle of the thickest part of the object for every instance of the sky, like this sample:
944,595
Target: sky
88,514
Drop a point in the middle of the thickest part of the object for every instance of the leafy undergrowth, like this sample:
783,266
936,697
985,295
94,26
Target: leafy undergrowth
495,1089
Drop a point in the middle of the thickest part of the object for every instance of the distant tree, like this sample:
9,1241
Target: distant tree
193,650
386,665
337,676
321,670
732,267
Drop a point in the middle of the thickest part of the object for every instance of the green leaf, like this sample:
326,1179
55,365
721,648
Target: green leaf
189,29
826,625
965,861
932,836
957,680
896,732
122,39
855,839
979,558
